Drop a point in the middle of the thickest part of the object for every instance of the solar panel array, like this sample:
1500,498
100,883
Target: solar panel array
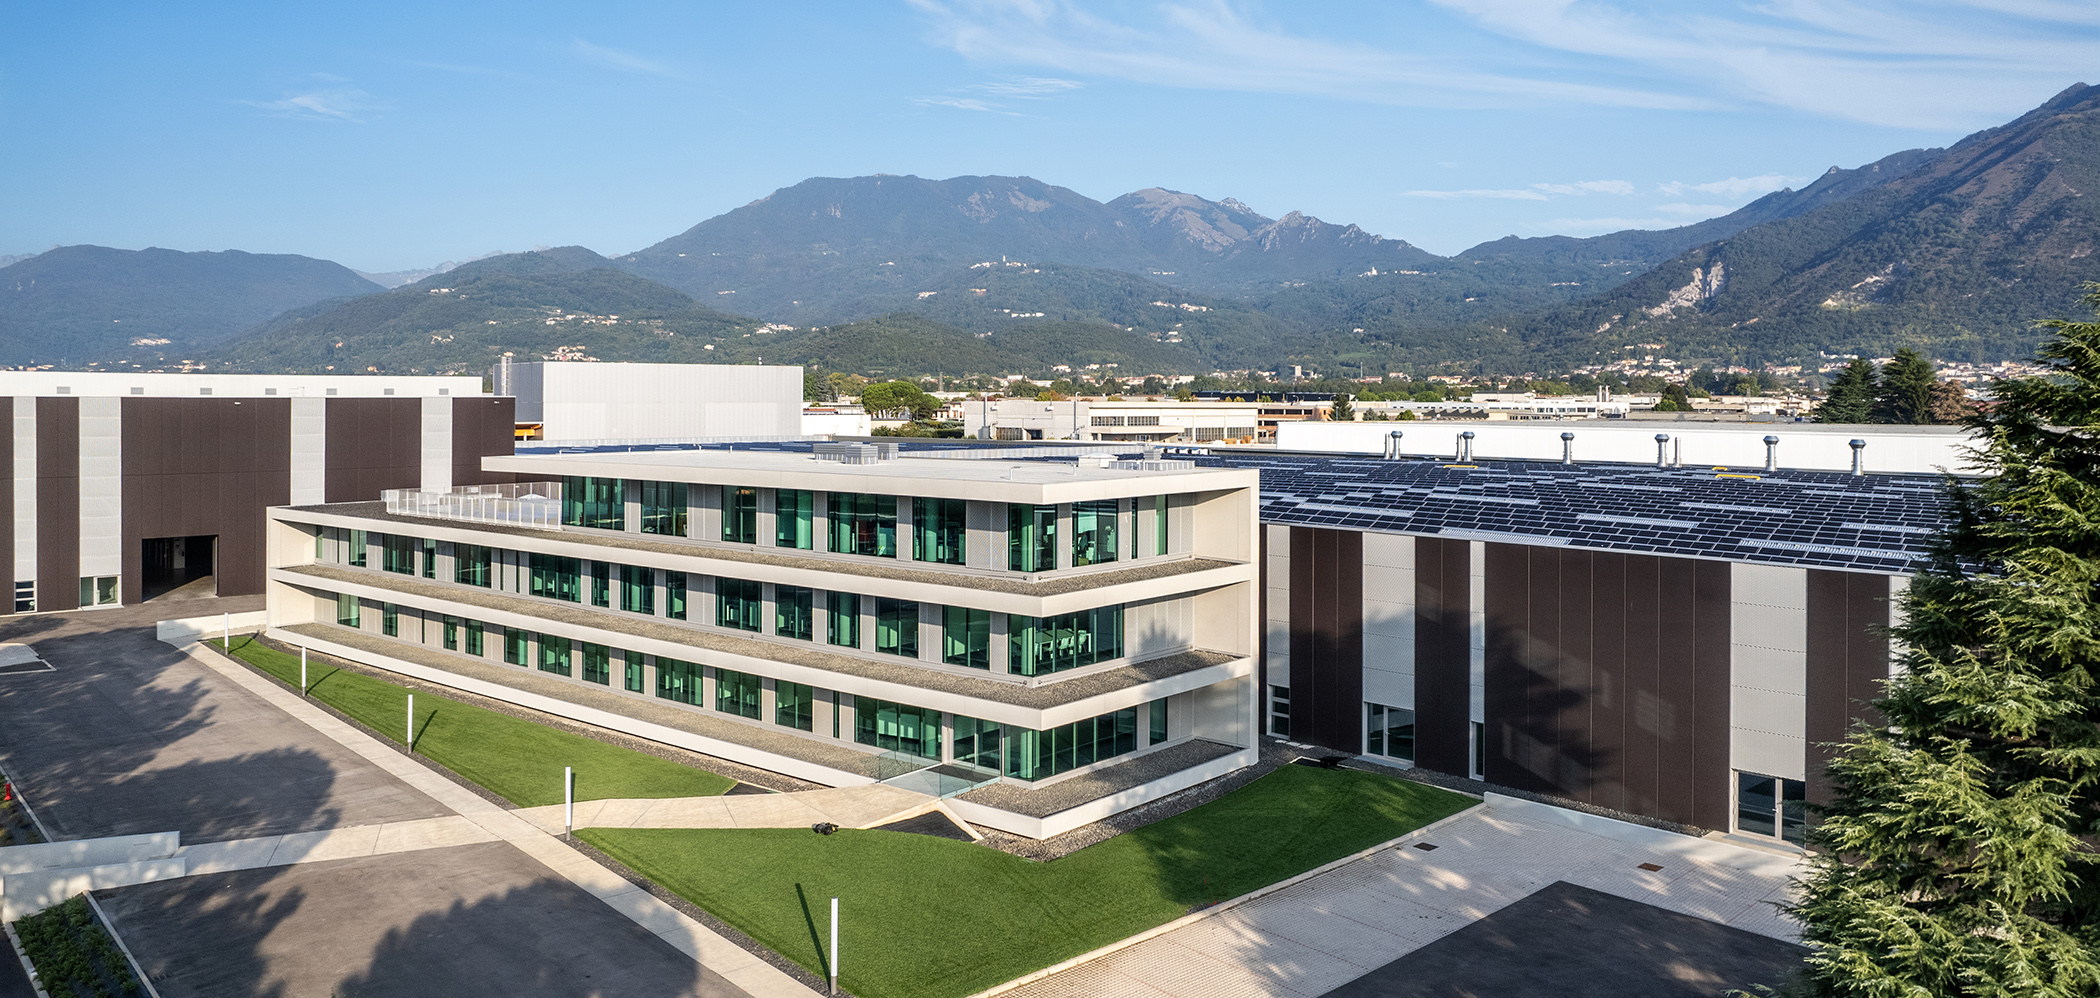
1875,523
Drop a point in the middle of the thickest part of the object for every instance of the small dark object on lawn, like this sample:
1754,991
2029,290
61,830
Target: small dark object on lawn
1333,761
823,828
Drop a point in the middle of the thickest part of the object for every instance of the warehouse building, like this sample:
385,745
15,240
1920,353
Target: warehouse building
577,404
1047,644
128,486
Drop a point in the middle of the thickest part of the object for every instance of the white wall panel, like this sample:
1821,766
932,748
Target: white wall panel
1768,669
1279,609
25,489
101,486
437,443
309,451
1477,558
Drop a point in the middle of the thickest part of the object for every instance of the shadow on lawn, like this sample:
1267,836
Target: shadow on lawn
816,941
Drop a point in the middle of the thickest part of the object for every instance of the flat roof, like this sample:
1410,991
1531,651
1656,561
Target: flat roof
167,385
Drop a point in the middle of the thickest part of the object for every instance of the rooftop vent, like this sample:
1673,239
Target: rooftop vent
855,453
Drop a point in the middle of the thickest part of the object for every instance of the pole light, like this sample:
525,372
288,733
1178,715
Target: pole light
302,671
568,800
226,624
834,945
408,740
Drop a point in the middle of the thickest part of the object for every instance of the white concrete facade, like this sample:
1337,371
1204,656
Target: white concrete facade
1740,446
591,403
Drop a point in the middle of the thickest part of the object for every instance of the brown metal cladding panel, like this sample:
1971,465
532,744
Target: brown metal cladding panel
1304,611
372,445
1443,655
1581,743
1713,796
482,427
57,503
1676,779
1608,716
205,466
1827,717
1866,645
1341,666
1645,716
7,505
1514,756
1545,699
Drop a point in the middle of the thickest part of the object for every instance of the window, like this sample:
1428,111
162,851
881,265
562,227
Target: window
794,612
863,524
348,611
674,595
398,554
390,620
737,693
449,635
1771,806
966,637
638,589
430,559
1159,721
1480,750
844,611
793,520
739,515
474,645
1031,538
1280,711
1159,525
1035,755
978,743
601,584
470,565
357,544
98,590
1040,645
1390,733
677,681
554,654
664,508
599,503
25,596
794,705
938,530
555,577
597,663
896,727
1093,532
897,627
514,650
738,604
633,660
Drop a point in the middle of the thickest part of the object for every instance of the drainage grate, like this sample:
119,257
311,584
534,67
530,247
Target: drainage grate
1426,846
1650,867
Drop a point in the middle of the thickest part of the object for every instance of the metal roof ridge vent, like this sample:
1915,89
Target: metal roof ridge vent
849,452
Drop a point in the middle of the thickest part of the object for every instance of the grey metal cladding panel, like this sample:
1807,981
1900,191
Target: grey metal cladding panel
1443,656
57,503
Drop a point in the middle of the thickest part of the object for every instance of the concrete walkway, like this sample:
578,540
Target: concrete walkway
335,843
1316,935
752,975
846,807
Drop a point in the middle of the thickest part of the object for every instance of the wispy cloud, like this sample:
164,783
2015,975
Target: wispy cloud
1734,187
961,104
1536,192
334,104
1028,87
627,61
1594,226
1510,194
1620,187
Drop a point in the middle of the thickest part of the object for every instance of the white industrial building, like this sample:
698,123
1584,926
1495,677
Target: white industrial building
1121,421
1810,446
588,404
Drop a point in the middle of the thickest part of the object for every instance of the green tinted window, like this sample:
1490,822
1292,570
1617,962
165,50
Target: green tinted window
1040,645
737,693
897,727
554,654
1031,538
938,530
863,524
966,637
794,705
470,565
599,503
597,663
794,612
738,604
677,681
1093,532
793,518
739,515
897,627
555,577
843,609
664,508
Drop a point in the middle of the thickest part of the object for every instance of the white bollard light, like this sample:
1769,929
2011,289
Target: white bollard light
302,671
834,945
568,799
226,622
408,741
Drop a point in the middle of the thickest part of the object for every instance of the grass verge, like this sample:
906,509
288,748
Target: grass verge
516,759
924,917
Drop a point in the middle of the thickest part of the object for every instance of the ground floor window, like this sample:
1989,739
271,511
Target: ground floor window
794,705
514,646
1035,755
98,590
737,693
634,672
554,654
1390,733
1771,806
895,726
678,682
979,743
1480,750
348,611
1280,711
597,663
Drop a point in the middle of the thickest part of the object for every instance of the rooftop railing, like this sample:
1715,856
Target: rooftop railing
523,504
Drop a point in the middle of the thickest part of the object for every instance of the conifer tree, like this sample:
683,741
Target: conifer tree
1961,853
1851,398
1907,383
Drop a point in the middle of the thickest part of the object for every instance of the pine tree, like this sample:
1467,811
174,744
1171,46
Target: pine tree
1342,411
1959,855
1907,383
1851,398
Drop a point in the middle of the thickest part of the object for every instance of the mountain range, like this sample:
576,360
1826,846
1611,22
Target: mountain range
1953,251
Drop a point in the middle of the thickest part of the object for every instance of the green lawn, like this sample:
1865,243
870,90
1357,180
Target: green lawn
516,759
923,917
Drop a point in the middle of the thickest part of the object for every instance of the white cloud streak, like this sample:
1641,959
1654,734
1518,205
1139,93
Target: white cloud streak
626,61
1536,192
336,104
1735,187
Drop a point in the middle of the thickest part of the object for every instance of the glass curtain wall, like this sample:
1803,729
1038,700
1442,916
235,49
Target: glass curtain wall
470,565
1390,732
355,548
1094,532
739,515
450,635
794,705
554,654
599,503
897,627
1159,721
739,603
863,524
397,554
1035,755
674,595
966,637
1159,525
664,506
430,559
897,727
348,611
938,529
390,620
638,589
1041,645
474,632
793,518
678,682
737,693
555,577
601,584
978,743
843,609
794,612
597,663
1031,538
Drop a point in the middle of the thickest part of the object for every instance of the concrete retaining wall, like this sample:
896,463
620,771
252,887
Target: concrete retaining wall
88,852
24,894
188,629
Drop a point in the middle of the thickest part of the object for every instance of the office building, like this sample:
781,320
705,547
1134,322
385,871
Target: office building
1046,642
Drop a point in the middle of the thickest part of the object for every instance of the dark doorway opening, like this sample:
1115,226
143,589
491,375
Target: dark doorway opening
179,567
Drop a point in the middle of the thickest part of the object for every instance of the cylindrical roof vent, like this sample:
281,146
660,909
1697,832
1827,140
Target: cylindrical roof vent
1465,446
1859,450
1662,450
1392,446
1771,453
1567,447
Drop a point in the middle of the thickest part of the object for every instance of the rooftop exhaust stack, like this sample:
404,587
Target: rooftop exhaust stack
1662,450
1567,447
1859,450
1465,446
1392,446
1771,453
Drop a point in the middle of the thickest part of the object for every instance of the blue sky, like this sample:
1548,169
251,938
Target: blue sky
388,135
